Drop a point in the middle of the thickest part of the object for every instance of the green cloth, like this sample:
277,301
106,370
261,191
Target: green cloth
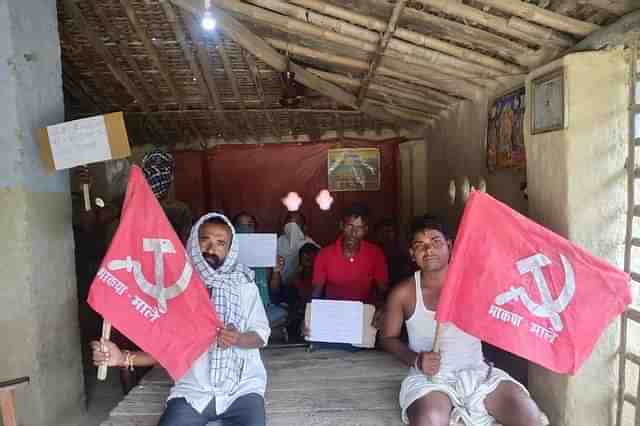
262,281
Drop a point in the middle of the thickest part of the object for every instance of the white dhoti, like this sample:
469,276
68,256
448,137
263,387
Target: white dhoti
466,390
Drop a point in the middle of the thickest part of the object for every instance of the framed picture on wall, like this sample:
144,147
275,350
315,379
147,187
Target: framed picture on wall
547,102
505,134
354,169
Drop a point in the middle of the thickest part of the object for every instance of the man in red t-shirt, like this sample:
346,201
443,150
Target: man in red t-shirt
351,268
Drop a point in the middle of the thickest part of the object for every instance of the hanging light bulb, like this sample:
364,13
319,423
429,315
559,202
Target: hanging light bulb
208,23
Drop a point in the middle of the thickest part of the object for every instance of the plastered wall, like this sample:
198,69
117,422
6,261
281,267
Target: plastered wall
456,148
577,187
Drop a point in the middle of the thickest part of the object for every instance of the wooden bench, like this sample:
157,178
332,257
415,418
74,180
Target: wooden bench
8,400
319,388
313,388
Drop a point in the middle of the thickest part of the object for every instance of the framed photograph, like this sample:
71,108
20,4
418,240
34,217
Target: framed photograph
547,102
505,133
356,169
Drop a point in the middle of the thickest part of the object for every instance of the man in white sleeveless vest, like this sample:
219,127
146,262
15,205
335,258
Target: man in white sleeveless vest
454,385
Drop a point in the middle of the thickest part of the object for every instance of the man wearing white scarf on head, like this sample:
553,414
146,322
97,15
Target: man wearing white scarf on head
228,381
289,244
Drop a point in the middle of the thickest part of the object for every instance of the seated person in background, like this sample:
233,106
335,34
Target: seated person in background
228,381
301,289
454,384
267,279
397,259
351,268
289,243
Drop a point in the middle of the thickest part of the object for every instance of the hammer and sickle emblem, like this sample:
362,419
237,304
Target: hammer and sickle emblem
159,247
549,308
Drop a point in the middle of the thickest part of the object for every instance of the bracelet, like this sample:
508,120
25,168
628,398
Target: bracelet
125,363
131,358
128,360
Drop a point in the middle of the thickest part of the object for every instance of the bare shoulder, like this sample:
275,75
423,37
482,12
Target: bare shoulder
403,291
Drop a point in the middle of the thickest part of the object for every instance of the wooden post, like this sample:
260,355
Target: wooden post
106,334
436,339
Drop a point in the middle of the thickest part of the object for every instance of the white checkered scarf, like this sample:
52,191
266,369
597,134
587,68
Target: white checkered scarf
225,284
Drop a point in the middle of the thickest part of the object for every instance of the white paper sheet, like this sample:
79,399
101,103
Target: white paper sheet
79,142
336,321
258,250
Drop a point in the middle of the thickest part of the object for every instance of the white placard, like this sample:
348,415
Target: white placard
336,321
79,142
258,250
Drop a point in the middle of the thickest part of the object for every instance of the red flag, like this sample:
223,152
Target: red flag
148,289
519,286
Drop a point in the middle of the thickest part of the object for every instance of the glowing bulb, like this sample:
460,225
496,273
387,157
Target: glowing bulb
208,23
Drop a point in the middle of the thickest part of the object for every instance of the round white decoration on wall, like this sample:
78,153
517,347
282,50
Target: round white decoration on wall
465,189
482,184
452,191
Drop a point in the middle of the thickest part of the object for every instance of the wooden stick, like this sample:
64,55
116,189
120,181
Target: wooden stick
106,335
380,49
379,26
436,339
543,17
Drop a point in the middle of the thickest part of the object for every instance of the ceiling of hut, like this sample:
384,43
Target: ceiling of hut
357,65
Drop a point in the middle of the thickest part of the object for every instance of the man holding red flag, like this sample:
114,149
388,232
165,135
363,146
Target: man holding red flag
453,384
522,288
226,382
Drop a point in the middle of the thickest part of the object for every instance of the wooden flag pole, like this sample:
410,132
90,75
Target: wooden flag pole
436,339
106,334
106,325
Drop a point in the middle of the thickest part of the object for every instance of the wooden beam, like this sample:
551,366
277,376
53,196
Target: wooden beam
404,103
406,72
377,26
155,58
544,17
417,114
151,50
228,69
497,23
461,33
77,93
256,45
436,96
180,34
382,47
250,111
110,61
356,84
181,38
257,81
616,7
614,34
212,89
399,50
70,74
118,36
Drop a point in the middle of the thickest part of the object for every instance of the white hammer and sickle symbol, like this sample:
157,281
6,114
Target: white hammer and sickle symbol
159,247
549,308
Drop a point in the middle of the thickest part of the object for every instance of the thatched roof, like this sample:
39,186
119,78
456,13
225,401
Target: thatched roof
364,65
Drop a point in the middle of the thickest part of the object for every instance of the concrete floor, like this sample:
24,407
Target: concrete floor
101,396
